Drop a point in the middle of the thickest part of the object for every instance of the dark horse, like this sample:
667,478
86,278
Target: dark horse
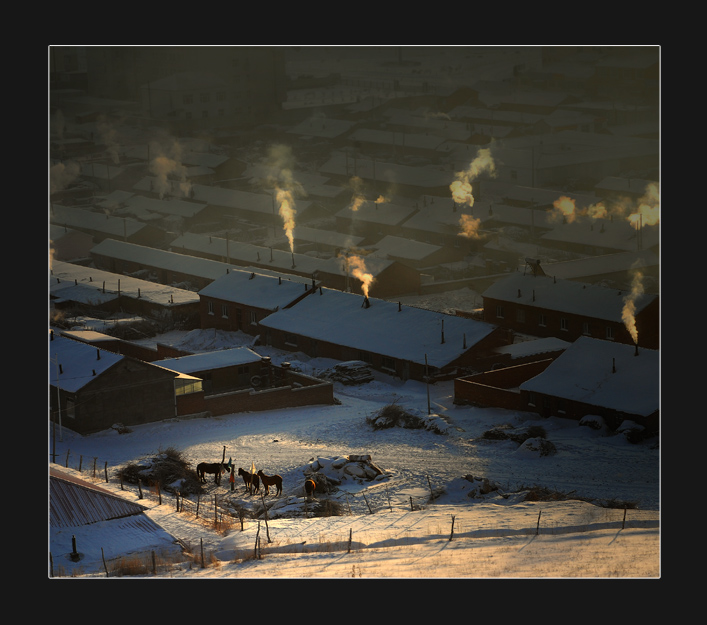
217,468
309,487
251,480
271,480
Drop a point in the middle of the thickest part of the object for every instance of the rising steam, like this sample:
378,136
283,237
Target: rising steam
648,211
358,269
628,314
279,165
167,166
62,175
462,190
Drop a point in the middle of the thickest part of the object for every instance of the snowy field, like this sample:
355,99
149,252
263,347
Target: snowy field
390,526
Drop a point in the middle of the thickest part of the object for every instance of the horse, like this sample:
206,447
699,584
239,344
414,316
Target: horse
309,487
217,468
271,480
251,480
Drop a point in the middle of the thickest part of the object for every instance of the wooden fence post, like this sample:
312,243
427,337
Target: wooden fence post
452,533
623,524
350,537
105,471
80,462
203,566
537,529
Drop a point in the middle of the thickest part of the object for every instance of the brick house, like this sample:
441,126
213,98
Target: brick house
591,377
542,305
239,300
403,341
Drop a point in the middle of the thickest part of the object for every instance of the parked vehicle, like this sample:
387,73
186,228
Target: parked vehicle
349,372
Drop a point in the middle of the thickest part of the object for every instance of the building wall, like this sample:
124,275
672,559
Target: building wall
131,393
498,388
526,319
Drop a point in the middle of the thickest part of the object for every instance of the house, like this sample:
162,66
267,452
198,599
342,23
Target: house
90,527
68,244
239,300
92,388
87,288
382,177
384,277
541,305
160,265
598,377
602,236
412,253
590,377
220,371
372,219
101,226
404,341
390,277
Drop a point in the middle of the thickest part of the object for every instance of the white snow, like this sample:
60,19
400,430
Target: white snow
395,529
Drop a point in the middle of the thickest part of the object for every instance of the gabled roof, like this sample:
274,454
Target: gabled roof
255,289
208,361
603,373
569,296
401,332
73,502
74,364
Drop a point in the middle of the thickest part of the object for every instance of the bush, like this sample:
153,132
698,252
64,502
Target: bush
165,468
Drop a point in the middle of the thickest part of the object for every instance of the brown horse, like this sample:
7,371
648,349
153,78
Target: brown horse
271,480
309,487
251,481
217,468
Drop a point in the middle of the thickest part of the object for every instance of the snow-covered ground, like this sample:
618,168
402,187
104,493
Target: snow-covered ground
389,526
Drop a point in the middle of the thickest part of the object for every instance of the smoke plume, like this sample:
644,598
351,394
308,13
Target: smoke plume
62,175
167,166
279,175
628,314
358,269
462,190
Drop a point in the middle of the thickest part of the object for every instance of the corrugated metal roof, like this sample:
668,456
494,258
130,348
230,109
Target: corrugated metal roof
74,502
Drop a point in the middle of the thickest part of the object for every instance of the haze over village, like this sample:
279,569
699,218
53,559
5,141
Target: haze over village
483,219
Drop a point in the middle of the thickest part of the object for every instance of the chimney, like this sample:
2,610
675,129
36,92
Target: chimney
635,353
400,306
613,365
366,303
518,292
442,331
98,354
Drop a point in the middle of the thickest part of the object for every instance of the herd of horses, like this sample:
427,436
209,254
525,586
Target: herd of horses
252,481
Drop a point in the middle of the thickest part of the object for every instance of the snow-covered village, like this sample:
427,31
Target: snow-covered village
335,312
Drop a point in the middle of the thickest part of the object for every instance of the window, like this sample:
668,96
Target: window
290,339
221,96
224,311
185,386
205,97
564,324
70,409
243,375
188,99
609,333
520,315
499,312
204,114
542,320
531,398
388,363
253,318
210,307
585,329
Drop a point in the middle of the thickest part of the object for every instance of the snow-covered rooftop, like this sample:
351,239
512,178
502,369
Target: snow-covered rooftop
603,373
404,332
218,359
255,289
68,278
569,296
